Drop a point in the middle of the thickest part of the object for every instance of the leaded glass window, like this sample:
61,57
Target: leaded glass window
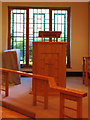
38,21
18,32
25,24
59,23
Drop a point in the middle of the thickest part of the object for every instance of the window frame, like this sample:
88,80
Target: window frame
50,28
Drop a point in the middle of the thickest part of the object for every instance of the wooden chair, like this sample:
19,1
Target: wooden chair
86,69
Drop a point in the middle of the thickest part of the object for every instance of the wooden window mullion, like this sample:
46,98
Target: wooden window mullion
68,39
50,21
9,23
27,37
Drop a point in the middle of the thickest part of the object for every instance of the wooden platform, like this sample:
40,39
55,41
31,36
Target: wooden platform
21,101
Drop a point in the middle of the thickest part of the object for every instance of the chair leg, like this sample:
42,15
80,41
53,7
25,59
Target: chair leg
83,70
86,82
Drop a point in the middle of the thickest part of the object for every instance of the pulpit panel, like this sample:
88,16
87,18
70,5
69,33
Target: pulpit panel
49,59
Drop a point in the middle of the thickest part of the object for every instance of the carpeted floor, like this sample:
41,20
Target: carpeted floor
8,114
20,100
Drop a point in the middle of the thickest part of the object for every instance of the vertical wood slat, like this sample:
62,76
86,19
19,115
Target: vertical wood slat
61,105
83,69
79,108
46,95
27,36
34,93
6,83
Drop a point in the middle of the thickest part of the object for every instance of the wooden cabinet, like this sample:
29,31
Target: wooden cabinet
49,59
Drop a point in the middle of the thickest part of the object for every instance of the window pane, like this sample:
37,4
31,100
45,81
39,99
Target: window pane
59,23
18,32
40,22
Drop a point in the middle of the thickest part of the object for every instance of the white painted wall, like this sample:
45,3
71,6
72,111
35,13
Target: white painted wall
79,28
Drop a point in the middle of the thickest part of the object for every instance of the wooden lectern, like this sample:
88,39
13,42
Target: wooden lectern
50,34
49,59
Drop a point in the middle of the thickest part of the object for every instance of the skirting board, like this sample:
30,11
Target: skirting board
68,74
76,74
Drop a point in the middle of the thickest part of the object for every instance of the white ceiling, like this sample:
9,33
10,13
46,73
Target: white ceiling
44,0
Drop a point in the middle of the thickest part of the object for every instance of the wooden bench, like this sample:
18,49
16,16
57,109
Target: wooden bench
65,93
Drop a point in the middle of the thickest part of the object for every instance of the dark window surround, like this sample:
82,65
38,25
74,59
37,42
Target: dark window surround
50,28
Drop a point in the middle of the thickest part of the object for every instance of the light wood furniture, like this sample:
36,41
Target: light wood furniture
78,108
11,60
5,79
49,59
50,34
64,93
86,69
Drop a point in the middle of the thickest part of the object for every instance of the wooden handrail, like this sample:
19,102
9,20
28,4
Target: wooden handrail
51,80
65,93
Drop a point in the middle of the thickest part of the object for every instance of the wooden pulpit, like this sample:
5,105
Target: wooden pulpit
49,59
